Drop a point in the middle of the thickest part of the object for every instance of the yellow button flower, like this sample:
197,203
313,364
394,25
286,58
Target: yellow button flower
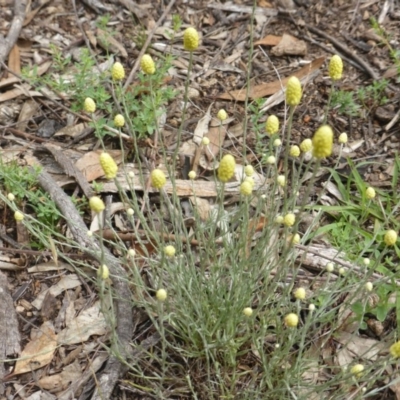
390,237
357,370
306,145
119,121
161,295
109,166
158,179
395,350
190,39
272,125
289,219
169,251
248,311
323,142
281,180
249,170
343,138
291,320
96,204
18,216
300,293
192,175
89,105
222,115
205,141
103,272
226,168
294,151
246,188
147,65
117,72
293,91
335,68
370,193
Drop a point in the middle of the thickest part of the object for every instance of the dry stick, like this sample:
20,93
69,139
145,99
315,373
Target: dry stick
16,25
115,368
146,43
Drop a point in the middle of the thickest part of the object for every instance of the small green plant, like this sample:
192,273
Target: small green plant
344,103
373,96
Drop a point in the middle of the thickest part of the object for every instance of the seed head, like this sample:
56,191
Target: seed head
336,68
291,320
272,125
109,166
190,39
147,65
390,237
293,91
96,204
119,121
117,72
158,179
89,105
322,142
226,168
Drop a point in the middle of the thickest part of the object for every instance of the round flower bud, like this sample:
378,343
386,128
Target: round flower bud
226,168
335,68
190,39
205,141
368,286
343,138
250,180
147,65
249,170
169,251
130,212
300,293
293,91
342,271
103,272
222,115
18,216
357,370
289,219
395,350
96,204
323,142
11,197
295,239
89,105
370,193
131,252
272,125
329,267
161,295
117,72
119,121
277,142
271,160
158,179
291,320
89,233
294,151
192,175
366,261
311,307
246,188
108,165
306,145
263,196
248,311
281,180
390,237
131,174
279,219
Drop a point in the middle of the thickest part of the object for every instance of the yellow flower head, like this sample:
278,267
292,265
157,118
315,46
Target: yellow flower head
103,272
390,238
147,65
368,286
335,68
89,105
329,267
169,251
117,72
192,175
249,170
306,145
205,141
294,151
295,239
289,219
293,91
343,138
96,204
279,219
272,125
11,197
18,216
291,320
277,142
119,121
322,142
357,370
300,293
226,168
158,179
222,115
250,180
248,311
109,166
190,39
395,350
161,295
246,188
281,180
370,193
271,160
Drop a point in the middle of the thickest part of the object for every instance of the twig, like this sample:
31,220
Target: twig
146,43
124,315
